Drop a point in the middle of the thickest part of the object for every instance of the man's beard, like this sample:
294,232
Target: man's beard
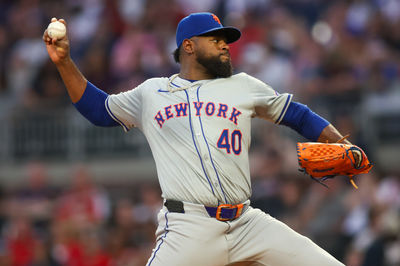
215,66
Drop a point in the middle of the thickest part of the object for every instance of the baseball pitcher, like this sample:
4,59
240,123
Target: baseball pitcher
197,123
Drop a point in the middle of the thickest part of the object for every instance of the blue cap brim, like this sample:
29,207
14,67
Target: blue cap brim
232,34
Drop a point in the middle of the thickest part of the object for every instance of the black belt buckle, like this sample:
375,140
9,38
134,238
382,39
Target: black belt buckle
174,206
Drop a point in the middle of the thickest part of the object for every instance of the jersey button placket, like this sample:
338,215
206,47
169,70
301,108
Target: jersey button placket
192,92
197,130
202,144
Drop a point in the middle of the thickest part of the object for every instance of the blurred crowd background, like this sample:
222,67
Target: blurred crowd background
76,195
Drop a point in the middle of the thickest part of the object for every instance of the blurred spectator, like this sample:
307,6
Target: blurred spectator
36,199
129,241
84,203
21,241
47,91
150,204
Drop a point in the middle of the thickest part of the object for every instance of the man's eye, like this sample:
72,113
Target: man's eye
214,41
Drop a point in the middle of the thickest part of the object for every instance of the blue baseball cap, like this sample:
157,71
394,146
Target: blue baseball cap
198,24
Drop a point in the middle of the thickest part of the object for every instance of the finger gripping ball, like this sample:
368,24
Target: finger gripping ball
56,30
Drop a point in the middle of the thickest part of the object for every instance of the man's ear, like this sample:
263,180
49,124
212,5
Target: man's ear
188,46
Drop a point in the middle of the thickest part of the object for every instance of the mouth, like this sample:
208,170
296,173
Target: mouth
227,55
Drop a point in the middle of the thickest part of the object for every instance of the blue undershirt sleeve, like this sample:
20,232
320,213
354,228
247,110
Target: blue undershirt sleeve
92,107
307,123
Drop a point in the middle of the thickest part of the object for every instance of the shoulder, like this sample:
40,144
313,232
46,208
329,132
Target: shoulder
240,80
240,76
249,81
244,77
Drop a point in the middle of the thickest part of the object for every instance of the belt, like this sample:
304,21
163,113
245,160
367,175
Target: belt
224,212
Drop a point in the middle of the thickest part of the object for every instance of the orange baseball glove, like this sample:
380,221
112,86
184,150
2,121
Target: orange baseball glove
326,160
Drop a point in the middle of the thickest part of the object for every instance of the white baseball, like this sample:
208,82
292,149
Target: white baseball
56,30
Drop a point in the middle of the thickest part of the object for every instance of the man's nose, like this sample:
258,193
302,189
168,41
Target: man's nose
223,45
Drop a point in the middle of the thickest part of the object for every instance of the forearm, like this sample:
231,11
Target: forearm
331,135
72,78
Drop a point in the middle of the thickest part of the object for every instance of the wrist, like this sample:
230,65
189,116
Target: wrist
63,62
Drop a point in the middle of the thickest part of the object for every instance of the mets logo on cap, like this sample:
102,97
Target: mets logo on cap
216,18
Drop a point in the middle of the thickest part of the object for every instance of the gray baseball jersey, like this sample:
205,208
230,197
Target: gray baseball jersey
199,132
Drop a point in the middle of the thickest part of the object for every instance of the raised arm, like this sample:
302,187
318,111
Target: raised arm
59,53
88,100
